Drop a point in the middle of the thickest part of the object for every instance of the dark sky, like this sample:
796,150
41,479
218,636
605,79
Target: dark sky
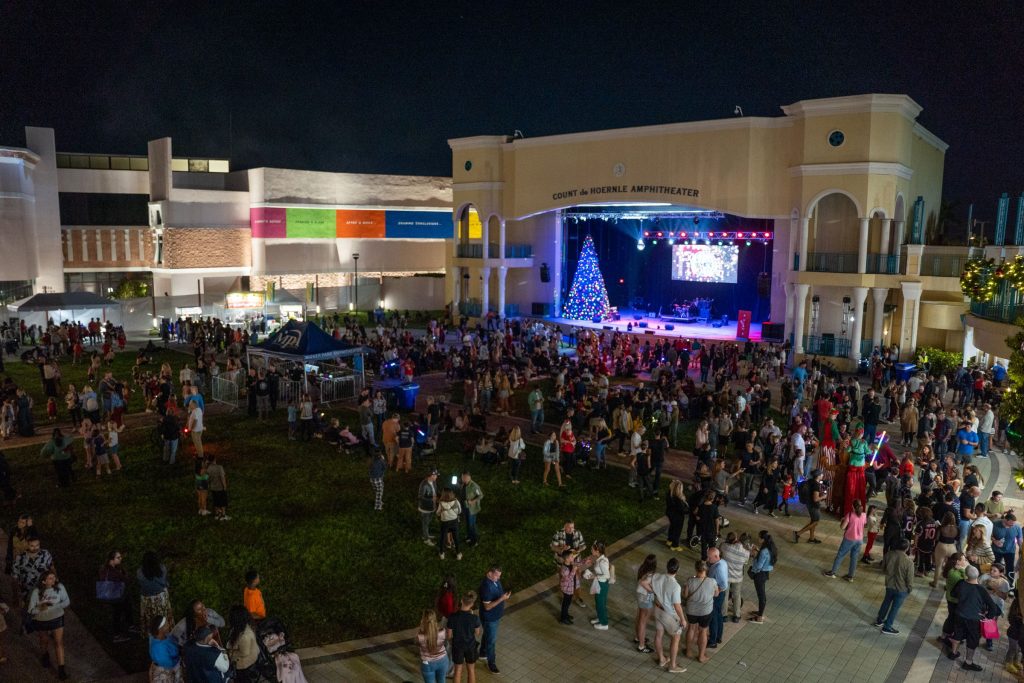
380,86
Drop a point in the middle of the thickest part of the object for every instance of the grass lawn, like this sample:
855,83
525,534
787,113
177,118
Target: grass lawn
302,514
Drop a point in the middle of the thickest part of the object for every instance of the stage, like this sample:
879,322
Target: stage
656,328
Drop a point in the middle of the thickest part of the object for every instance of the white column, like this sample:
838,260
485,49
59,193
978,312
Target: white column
910,319
501,243
805,227
456,289
860,294
969,348
798,317
485,281
502,272
862,245
789,305
886,227
899,227
879,294
485,232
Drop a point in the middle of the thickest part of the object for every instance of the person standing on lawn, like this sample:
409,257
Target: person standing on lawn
219,488
536,401
448,511
492,606
427,505
59,450
378,466
470,495
170,430
195,426
899,581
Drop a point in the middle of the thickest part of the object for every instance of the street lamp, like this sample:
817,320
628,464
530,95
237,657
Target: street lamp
355,280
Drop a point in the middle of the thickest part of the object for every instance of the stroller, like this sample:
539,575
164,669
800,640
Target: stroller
277,661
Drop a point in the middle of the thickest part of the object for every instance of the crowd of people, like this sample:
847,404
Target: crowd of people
619,398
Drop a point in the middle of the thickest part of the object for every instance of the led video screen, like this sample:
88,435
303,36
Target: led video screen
705,262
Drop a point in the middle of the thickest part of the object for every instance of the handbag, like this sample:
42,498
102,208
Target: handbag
109,591
750,572
595,586
989,629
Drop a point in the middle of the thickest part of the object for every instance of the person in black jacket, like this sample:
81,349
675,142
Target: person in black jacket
973,604
676,509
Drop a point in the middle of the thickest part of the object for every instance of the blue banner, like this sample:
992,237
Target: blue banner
1018,230
1001,216
917,228
418,224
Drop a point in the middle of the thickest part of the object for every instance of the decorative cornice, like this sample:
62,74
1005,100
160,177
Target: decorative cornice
470,187
930,137
853,168
15,155
855,104
478,141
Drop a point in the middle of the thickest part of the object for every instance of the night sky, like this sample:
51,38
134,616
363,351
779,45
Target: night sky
380,87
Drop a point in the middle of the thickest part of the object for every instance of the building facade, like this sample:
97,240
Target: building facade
193,231
851,185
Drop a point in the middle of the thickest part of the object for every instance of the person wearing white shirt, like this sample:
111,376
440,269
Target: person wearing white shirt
195,426
986,428
984,522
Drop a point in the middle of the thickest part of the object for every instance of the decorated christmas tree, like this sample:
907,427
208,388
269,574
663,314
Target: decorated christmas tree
588,299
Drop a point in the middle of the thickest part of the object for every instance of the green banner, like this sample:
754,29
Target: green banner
312,223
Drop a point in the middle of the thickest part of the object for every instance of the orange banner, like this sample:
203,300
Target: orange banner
358,223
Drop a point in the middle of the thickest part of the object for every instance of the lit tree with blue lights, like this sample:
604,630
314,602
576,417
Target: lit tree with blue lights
588,298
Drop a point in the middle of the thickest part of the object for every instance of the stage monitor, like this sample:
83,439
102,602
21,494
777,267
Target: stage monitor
705,262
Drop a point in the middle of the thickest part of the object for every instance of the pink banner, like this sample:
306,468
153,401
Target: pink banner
743,325
267,222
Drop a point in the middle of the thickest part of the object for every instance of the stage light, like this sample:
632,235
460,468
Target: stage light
640,245
748,243
622,281
719,242
647,233
696,220
767,235
711,234
661,234
740,235
671,240
654,242
683,235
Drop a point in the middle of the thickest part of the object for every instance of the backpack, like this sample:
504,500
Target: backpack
803,492
91,404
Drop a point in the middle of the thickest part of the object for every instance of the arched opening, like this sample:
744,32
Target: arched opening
469,225
899,224
833,234
494,237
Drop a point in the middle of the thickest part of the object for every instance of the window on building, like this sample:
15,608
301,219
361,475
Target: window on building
90,208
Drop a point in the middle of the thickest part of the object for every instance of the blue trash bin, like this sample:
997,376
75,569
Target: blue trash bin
904,371
406,396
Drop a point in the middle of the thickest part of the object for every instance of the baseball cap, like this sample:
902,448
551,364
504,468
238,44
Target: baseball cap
203,632
434,470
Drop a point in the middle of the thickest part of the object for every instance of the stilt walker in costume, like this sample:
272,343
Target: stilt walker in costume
856,486
829,460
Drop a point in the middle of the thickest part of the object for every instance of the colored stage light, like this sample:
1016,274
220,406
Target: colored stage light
622,281
748,243
671,240
647,233
660,234
767,235
740,235
683,235
640,245
711,234
654,242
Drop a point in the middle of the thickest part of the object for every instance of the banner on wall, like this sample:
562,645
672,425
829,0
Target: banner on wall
269,222
743,325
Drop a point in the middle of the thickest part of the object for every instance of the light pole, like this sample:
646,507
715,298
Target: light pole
355,281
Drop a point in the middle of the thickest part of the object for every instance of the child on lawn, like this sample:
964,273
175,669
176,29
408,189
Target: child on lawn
113,440
252,596
293,419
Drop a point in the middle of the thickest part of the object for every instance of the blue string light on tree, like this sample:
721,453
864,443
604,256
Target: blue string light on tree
588,298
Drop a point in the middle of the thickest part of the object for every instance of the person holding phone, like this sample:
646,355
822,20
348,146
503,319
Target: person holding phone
493,597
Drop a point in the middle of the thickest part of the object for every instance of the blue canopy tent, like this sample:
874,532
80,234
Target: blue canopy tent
304,341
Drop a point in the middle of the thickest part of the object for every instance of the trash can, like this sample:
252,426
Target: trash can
405,396
904,370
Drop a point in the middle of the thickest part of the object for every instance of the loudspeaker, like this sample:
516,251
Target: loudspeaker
772,331
537,308
669,326
245,283
643,323
637,316
648,331
607,327
716,323
545,273
764,285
